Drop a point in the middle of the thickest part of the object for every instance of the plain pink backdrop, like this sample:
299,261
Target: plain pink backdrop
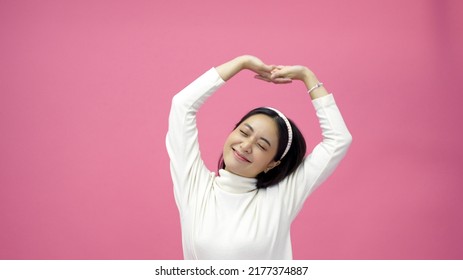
85,91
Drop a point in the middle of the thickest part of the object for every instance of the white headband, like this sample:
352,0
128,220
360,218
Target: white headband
290,130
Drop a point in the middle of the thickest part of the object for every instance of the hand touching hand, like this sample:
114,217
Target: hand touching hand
296,72
268,73
285,74
271,73
252,63
249,62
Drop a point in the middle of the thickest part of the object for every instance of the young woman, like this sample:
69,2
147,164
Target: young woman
245,212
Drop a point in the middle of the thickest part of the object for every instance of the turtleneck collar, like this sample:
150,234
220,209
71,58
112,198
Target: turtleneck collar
233,183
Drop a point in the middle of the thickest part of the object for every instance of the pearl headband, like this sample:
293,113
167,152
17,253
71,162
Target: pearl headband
290,130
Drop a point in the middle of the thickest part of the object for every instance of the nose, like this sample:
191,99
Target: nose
246,146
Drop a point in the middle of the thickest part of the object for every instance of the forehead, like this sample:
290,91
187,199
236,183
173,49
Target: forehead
262,123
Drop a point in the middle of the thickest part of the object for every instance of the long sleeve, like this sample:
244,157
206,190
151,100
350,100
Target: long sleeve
187,167
322,161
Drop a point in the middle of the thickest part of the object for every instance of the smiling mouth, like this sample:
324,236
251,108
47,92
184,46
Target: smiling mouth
240,157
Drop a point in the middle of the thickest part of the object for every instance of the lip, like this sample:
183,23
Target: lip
240,157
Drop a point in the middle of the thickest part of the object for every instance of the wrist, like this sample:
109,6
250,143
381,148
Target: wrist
244,62
310,80
231,67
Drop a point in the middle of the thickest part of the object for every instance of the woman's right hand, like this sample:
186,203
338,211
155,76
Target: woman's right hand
249,62
256,65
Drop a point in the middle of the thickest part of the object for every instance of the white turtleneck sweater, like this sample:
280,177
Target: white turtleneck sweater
226,216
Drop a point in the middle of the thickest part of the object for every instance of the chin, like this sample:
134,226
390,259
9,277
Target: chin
231,166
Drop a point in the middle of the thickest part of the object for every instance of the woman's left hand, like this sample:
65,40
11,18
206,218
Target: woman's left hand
300,73
294,72
286,74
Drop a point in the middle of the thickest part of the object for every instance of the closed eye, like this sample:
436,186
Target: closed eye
243,133
262,147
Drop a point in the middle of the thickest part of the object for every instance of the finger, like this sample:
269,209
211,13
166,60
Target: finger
277,74
265,74
282,73
282,81
259,77
277,68
266,68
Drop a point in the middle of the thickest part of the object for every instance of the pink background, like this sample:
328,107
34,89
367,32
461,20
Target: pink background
85,90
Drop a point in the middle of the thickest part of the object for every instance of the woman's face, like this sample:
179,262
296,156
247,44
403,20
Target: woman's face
252,146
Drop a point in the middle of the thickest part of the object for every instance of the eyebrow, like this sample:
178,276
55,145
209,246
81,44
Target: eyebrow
252,129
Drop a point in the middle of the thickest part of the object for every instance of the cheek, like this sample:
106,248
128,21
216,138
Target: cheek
231,138
228,142
264,158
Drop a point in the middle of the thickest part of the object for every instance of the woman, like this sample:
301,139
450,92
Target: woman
246,211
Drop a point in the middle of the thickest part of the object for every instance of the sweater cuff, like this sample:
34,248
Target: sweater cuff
324,101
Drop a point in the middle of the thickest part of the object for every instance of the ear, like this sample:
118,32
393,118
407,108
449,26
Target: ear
271,165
